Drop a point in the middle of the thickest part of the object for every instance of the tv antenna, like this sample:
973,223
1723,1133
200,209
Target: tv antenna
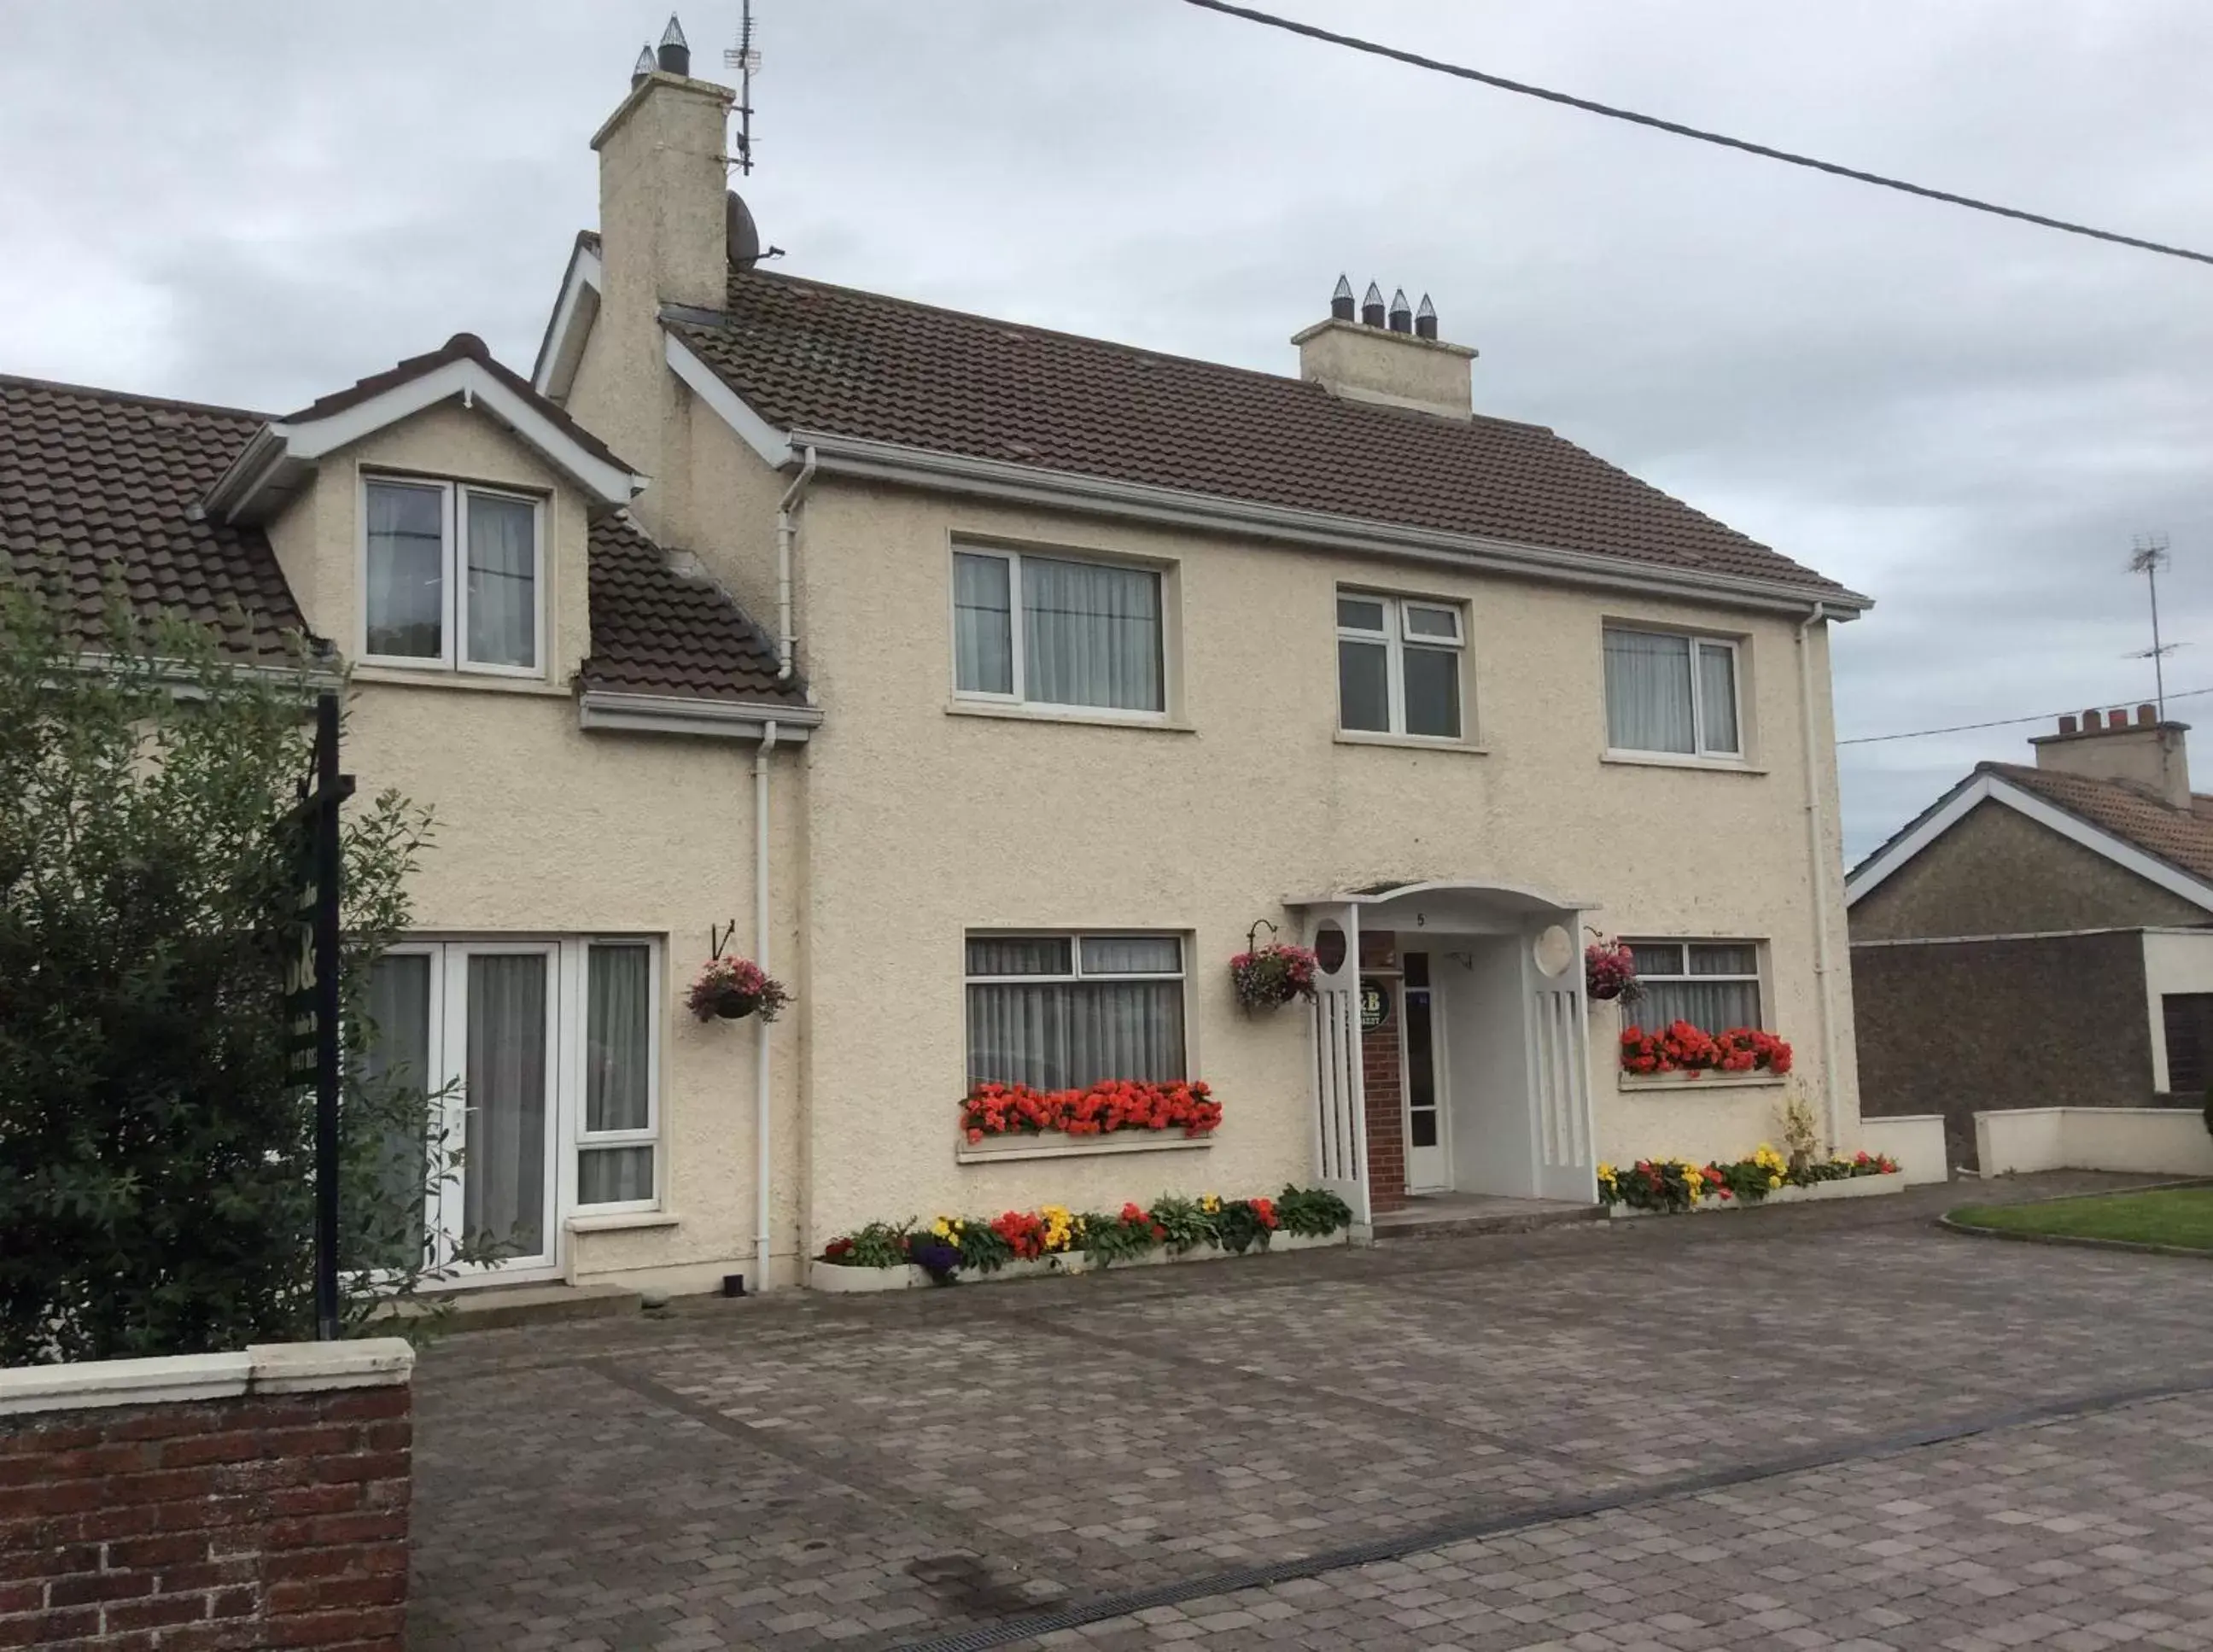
745,57
2149,555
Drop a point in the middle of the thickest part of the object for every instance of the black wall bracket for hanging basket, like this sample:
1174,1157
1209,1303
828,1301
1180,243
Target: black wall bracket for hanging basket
1252,935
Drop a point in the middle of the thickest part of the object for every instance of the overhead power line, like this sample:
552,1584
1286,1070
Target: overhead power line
1766,152
1998,722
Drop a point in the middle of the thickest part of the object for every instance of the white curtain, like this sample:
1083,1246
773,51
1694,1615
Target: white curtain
613,1175
982,625
1648,692
1068,1034
503,1175
397,1059
1132,955
1717,697
618,1034
1714,1005
1091,635
502,581
405,599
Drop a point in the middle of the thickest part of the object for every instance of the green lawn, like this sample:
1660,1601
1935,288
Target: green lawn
2182,1216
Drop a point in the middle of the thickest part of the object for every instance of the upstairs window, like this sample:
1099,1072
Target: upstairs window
1397,666
1062,1012
1712,985
451,578
1046,630
1671,693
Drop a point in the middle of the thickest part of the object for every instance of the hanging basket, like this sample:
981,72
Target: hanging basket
1610,971
731,989
1268,977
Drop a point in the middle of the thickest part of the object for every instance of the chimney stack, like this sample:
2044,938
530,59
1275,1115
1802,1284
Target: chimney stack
1391,355
2142,752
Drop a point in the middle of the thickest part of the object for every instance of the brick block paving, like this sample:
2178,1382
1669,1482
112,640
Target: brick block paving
942,1465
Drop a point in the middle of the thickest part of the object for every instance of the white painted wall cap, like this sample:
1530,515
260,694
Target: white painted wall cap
267,1368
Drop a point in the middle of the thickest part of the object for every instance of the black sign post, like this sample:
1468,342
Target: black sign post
312,1004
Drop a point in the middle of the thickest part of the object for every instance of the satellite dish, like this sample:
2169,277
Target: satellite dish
739,237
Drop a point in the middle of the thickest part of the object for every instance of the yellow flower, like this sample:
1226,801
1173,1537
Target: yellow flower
943,1228
1210,1203
1775,1181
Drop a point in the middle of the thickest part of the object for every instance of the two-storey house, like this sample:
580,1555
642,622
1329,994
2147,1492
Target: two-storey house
1001,684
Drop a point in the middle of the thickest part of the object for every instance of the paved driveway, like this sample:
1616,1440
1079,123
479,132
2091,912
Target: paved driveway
1824,1425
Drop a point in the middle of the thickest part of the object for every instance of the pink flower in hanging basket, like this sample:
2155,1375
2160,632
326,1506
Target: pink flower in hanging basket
1271,975
1610,970
730,988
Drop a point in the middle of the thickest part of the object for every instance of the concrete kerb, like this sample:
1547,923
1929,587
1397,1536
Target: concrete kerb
1949,1222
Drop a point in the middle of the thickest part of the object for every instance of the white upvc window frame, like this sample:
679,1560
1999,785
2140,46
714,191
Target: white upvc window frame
587,1140
1396,636
1701,753
1076,938
453,618
568,1020
1019,697
1758,975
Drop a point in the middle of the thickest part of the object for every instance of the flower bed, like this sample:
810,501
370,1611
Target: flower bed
1683,1048
1666,1185
1172,1227
1110,1105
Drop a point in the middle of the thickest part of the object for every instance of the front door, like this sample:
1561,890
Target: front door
1429,1149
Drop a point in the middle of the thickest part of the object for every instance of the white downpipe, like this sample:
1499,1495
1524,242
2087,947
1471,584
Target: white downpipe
761,1156
1817,849
794,497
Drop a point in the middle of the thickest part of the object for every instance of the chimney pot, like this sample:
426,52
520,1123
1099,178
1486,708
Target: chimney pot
2069,723
1340,301
2093,721
2147,714
1402,313
1371,306
674,57
1425,319
644,65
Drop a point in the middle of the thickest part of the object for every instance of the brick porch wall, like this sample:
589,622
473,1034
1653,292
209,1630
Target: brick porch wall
257,1519
1387,1127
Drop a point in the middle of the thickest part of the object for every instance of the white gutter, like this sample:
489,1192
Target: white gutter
992,478
794,497
1817,848
675,714
761,1161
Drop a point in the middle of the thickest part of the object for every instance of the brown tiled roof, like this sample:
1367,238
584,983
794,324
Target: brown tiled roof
461,346
2182,838
809,355
655,630
96,485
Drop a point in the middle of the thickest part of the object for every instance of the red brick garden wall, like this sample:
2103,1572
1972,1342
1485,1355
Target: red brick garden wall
261,1520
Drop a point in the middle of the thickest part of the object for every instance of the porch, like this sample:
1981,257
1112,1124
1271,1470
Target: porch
1450,1054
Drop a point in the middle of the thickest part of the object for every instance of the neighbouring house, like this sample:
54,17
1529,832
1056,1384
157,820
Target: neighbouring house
2042,936
1000,684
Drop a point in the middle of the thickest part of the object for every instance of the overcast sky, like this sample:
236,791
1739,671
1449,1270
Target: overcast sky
1968,419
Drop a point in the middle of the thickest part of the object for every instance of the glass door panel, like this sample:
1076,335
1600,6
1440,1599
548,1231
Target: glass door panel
507,1081
1429,1163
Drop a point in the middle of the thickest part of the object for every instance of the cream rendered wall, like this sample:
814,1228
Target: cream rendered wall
924,822
543,831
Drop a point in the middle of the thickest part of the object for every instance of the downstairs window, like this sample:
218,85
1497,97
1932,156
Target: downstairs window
1060,1012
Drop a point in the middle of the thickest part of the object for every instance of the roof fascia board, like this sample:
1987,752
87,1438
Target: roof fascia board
607,711
774,446
570,327
856,457
1995,787
294,443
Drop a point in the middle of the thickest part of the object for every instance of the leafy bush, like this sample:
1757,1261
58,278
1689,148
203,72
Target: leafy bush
156,1156
1310,1212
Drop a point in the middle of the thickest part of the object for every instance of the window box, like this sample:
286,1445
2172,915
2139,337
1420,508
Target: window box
1399,667
1701,1079
1672,696
1059,1144
453,578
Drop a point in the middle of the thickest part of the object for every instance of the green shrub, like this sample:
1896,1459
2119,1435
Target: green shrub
1311,1212
156,1156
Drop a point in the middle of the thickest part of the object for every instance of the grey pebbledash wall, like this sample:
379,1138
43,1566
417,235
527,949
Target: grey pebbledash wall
1960,1027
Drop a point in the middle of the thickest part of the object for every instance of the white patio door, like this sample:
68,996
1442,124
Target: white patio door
478,1021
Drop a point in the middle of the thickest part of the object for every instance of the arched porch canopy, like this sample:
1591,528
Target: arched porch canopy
1477,903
